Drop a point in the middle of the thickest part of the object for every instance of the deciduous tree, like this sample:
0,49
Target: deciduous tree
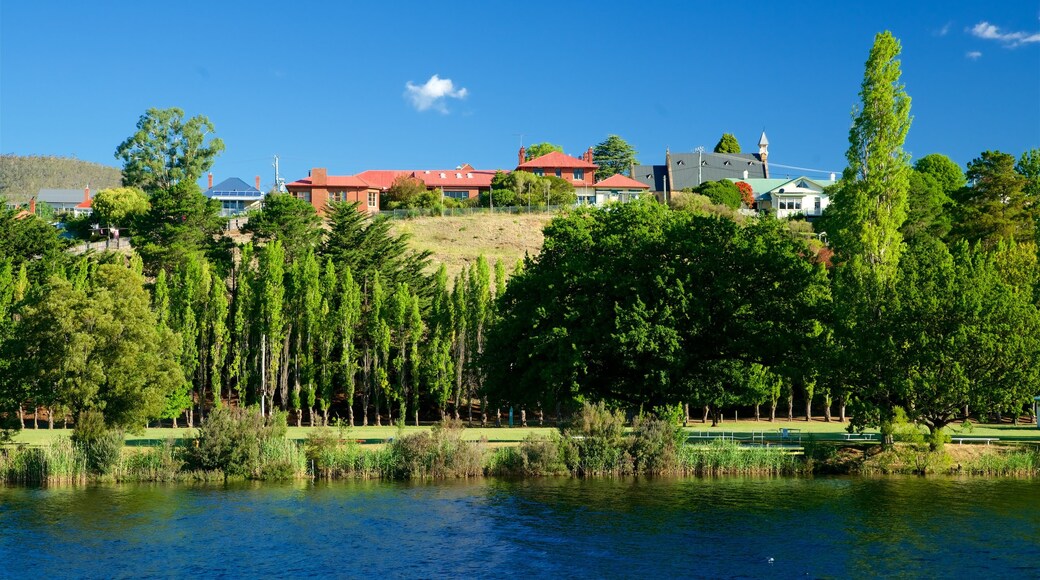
166,150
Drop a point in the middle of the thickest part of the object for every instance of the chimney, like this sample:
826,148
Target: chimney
258,183
210,186
86,193
521,156
832,176
588,155
319,176
32,205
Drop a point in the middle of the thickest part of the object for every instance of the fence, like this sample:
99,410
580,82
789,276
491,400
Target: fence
102,245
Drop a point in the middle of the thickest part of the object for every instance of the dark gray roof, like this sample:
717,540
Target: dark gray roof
693,169
231,185
60,195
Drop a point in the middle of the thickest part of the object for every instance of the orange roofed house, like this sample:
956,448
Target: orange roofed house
319,188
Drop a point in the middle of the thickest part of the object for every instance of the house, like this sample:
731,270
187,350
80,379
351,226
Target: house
790,197
689,170
616,188
74,201
578,172
319,188
234,194
463,182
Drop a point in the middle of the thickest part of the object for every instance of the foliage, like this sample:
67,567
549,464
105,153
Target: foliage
100,446
181,221
994,207
119,206
747,193
520,188
1028,166
723,192
946,173
96,346
727,144
613,155
439,454
167,150
231,440
870,203
29,240
292,221
928,208
660,331
539,149
598,435
407,192
23,176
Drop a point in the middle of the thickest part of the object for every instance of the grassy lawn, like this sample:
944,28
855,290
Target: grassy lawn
741,429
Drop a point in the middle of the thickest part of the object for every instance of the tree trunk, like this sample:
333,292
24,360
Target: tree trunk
790,406
364,410
50,418
175,421
686,414
704,419
757,409
559,414
36,417
483,412
772,411
541,416
191,416
375,400
498,417
469,404
523,417
841,412
21,415
827,400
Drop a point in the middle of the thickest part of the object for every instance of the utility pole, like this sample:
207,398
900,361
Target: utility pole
279,183
700,163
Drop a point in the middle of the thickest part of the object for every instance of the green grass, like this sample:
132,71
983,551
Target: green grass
743,429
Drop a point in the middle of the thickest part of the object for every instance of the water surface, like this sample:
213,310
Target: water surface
726,527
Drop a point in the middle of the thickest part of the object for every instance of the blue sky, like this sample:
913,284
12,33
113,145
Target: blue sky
345,85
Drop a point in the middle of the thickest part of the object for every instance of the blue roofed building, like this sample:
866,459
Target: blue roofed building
235,195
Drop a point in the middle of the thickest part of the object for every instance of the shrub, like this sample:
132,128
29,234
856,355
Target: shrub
655,445
598,436
160,463
332,457
100,445
440,453
231,439
536,455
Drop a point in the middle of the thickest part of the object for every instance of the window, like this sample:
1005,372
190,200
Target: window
559,173
338,196
373,201
456,194
579,175
816,203
538,172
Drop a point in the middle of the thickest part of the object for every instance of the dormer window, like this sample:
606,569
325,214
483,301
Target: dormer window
726,162
442,175
469,176
680,162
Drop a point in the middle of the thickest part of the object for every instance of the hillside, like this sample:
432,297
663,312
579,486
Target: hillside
23,176
458,241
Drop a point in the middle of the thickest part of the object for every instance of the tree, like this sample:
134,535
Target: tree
928,208
270,293
870,205
539,149
947,173
404,193
167,150
667,331
348,320
289,219
994,206
119,206
1028,166
747,193
727,144
180,221
613,155
99,348
723,192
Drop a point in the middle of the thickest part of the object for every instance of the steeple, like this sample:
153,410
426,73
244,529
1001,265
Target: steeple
763,153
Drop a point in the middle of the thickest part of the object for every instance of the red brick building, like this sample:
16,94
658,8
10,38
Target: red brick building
578,172
319,188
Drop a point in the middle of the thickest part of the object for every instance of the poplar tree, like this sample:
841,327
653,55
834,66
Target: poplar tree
241,351
478,310
438,369
219,337
325,337
461,335
270,295
870,205
348,316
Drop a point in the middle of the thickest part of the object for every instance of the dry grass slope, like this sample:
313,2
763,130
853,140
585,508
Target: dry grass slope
456,242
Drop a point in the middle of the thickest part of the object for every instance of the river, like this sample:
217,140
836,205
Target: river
663,527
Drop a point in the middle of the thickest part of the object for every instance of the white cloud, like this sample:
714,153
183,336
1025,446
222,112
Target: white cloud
944,30
973,55
1010,39
433,94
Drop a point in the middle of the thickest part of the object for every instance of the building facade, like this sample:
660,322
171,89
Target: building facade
235,195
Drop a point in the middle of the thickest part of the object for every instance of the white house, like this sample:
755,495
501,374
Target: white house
790,197
616,188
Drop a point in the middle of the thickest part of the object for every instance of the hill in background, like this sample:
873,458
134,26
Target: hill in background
22,176
456,242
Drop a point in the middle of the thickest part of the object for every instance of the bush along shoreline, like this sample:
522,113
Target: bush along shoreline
236,444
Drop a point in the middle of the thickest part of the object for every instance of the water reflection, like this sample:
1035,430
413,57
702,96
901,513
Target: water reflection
726,527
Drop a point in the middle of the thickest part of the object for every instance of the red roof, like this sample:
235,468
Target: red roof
618,181
456,178
331,181
85,204
557,159
382,178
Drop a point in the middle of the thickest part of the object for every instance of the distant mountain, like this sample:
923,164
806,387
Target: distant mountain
23,176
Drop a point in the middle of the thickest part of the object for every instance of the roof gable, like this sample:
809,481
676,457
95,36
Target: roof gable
231,184
556,159
621,182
